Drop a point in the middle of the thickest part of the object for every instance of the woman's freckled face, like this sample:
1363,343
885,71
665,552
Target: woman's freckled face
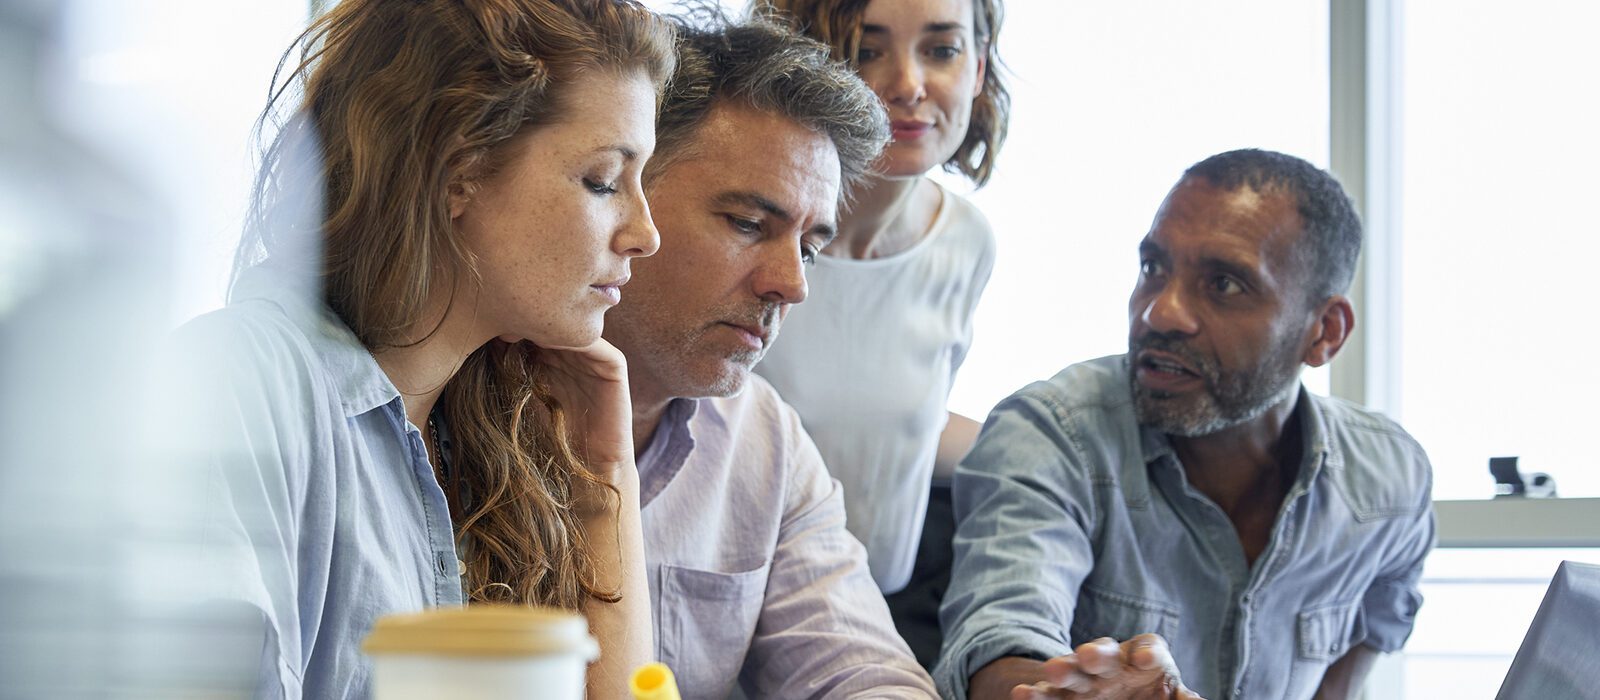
553,229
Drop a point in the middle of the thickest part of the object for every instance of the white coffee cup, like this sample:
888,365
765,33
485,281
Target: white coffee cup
480,652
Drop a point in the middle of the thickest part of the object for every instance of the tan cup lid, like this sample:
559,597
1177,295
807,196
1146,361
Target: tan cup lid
483,630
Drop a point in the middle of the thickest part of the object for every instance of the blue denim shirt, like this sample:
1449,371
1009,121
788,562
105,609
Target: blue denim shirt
1076,523
323,512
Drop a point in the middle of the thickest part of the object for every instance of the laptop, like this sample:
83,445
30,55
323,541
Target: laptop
1560,657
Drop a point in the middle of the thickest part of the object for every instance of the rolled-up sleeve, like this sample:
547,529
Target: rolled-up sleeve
824,629
1389,607
1022,544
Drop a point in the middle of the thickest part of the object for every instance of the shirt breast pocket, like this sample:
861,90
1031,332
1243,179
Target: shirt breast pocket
1323,633
707,621
1120,616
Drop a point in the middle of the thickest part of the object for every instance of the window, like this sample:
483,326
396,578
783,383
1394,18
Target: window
1111,101
1492,119
168,91
1479,603
1498,181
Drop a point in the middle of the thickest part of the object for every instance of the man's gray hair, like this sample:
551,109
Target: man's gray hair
772,69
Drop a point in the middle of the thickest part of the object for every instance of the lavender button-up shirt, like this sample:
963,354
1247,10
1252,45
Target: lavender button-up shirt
754,581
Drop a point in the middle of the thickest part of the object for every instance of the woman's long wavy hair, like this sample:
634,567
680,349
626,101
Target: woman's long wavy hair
404,102
837,23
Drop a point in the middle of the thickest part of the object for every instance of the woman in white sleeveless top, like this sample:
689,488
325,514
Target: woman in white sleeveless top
869,358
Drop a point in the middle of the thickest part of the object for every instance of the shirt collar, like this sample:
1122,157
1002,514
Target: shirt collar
360,382
1319,452
1158,452
668,450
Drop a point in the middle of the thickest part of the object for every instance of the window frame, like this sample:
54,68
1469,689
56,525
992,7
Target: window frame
1366,111
1366,122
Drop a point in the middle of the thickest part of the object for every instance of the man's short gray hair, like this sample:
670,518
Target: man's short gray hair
768,67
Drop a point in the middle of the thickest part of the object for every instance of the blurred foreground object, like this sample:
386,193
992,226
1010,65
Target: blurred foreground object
1560,657
653,682
100,561
483,652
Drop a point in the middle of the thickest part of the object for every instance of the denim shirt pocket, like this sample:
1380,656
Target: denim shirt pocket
1323,633
708,619
1120,616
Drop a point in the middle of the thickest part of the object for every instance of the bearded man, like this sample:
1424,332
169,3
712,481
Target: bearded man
1189,507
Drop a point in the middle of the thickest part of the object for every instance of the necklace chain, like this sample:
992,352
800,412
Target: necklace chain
440,469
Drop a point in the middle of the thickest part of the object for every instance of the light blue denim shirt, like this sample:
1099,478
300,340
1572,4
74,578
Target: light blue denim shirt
323,512
1076,523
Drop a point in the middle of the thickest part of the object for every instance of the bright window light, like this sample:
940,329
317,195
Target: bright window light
1498,189
1112,100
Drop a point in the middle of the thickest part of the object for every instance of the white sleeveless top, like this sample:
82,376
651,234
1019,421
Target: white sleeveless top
868,361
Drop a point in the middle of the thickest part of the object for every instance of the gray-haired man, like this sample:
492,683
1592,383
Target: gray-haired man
754,580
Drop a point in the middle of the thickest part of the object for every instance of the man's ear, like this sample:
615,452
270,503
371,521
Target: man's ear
1335,321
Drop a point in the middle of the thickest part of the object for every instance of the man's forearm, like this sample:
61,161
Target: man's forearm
995,681
954,443
1343,680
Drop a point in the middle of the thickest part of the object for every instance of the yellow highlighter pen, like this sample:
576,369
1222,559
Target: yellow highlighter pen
653,681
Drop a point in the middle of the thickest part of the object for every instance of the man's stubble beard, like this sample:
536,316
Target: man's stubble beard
1225,400
685,354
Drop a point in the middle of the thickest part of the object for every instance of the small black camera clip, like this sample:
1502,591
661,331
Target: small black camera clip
1509,482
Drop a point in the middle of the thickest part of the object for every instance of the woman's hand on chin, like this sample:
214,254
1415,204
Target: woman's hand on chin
591,383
